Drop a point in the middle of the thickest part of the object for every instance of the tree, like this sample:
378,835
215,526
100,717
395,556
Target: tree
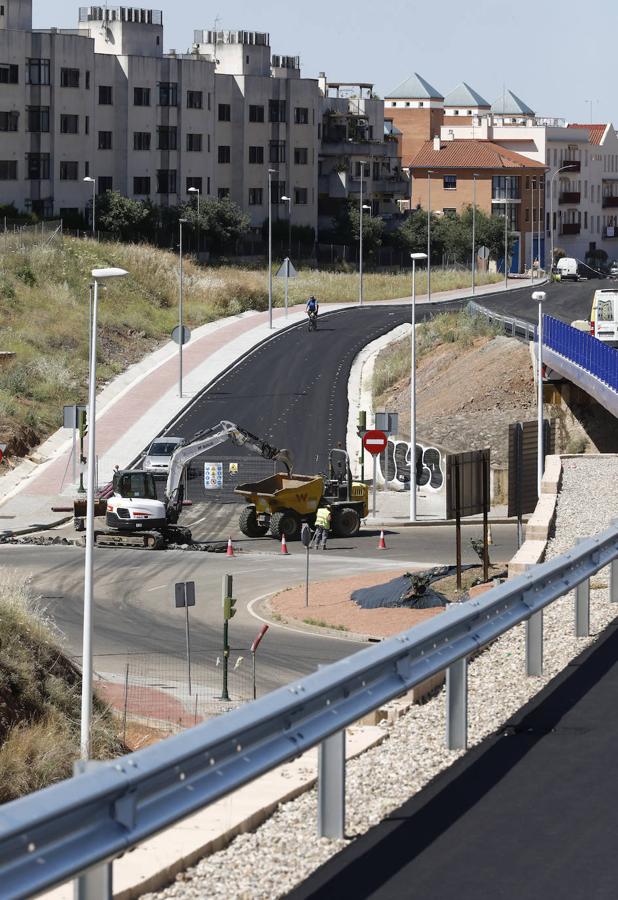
347,228
221,222
125,218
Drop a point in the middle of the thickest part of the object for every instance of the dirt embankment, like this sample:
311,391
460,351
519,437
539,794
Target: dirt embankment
468,396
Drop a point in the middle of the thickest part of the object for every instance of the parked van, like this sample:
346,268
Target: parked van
604,315
567,268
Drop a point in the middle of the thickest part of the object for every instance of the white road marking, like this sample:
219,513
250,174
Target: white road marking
306,632
156,588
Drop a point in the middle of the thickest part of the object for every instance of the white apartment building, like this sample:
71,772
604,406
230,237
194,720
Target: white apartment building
104,101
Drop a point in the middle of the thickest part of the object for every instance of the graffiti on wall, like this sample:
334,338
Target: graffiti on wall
394,466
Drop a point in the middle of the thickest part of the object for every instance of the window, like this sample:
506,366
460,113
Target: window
37,165
526,215
86,169
376,170
141,140
225,112
505,186
208,185
194,182
449,211
87,80
166,181
301,156
105,183
168,96
277,191
37,71
8,170
194,142
9,74
357,170
300,196
86,124
68,171
69,78
301,115
256,196
38,119
256,113
9,121
141,185
105,95
223,153
69,124
194,99
450,182
223,193
141,96
167,138
276,151
105,140
276,111
256,155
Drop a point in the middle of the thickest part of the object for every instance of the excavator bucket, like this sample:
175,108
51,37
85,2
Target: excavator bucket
287,458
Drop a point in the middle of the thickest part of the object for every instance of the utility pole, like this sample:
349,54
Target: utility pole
229,612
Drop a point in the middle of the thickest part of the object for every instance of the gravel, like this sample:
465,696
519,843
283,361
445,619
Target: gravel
267,863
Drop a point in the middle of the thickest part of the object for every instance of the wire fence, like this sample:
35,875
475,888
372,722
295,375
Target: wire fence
165,693
21,238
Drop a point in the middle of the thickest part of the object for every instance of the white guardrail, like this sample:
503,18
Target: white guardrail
77,827
512,325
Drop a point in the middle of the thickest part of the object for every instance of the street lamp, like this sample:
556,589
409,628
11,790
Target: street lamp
539,296
429,174
86,706
551,211
370,208
414,257
288,200
93,182
361,163
181,222
474,177
271,172
194,190
506,232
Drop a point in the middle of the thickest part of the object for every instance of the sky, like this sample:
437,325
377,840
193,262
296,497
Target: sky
560,65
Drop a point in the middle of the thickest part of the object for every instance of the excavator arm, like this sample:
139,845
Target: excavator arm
207,440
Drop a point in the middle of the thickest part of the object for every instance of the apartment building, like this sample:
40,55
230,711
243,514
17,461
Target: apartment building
105,101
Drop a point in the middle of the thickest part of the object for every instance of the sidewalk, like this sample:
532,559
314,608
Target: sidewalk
140,403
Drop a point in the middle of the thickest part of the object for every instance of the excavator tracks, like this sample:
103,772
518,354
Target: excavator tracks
140,540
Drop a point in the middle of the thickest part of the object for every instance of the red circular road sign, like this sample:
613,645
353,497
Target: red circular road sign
375,442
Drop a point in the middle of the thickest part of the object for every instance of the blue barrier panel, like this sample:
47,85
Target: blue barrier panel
584,350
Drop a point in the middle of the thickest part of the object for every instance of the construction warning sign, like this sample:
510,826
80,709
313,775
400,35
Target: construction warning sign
213,476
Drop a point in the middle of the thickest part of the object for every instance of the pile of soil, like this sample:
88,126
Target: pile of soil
409,591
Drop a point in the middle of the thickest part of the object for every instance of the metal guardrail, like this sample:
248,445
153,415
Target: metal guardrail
52,835
512,325
583,349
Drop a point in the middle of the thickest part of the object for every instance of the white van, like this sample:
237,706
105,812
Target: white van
567,268
604,315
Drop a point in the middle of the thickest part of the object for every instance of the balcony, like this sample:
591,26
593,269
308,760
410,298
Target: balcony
573,164
570,228
571,197
610,202
366,149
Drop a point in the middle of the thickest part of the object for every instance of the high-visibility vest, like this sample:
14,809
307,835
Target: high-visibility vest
323,518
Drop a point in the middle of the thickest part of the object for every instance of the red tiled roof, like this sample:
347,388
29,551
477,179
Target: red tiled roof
470,154
596,131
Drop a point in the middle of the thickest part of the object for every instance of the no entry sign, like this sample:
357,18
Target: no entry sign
375,442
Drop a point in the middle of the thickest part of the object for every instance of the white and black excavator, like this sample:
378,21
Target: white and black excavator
135,517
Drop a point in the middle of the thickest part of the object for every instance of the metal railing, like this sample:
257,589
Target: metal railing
76,827
583,349
512,325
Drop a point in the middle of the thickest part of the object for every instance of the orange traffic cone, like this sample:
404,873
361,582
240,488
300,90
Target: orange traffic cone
381,542
230,549
284,546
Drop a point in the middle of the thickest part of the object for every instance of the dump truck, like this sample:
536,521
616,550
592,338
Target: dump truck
281,503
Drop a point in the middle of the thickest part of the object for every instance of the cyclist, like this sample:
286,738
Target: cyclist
313,307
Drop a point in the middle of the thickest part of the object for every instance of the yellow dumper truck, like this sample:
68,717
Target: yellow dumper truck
281,503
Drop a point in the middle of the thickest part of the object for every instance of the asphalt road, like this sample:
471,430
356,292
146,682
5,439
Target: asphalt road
566,300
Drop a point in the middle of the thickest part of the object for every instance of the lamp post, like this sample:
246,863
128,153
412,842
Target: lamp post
181,222
474,177
194,190
360,236
93,182
370,208
271,172
288,200
414,257
506,232
539,296
429,174
86,705
551,211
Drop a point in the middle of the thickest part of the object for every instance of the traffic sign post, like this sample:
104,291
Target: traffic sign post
375,442
287,271
184,597
228,602
256,643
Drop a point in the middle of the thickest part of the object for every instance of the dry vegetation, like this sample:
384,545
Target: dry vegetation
44,316
39,700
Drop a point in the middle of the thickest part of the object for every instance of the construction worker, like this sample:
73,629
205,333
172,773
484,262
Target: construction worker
322,527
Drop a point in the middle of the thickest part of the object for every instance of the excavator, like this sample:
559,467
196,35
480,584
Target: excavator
135,517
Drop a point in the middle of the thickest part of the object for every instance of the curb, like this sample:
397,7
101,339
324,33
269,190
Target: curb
264,608
433,523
